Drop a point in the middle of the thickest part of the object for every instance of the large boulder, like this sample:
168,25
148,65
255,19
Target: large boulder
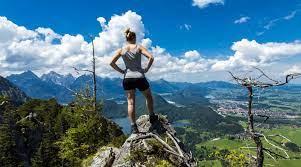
156,144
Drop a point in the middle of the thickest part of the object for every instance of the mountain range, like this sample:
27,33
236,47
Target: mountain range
35,87
64,80
62,87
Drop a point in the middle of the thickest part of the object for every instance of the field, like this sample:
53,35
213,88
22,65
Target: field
292,133
213,163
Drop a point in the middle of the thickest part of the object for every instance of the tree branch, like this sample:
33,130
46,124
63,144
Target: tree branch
151,135
84,70
3,103
280,136
272,152
283,150
250,83
176,144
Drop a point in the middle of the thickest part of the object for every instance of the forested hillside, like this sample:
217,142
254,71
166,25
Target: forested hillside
9,90
209,118
45,133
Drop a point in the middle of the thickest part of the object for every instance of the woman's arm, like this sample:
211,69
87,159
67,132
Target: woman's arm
113,62
149,56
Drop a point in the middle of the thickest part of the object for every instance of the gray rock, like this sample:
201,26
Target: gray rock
105,157
156,143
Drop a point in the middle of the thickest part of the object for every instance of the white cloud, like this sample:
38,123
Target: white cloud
205,3
273,22
112,35
242,20
147,43
43,50
293,69
168,66
290,16
251,53
102,21
48,34
193,54
11,32
22,49
25,49
186,27
260,33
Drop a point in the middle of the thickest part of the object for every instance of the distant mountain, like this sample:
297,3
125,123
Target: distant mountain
161,105
168,96
64,80
54,85
218,84
163,86
192,94
113,110
10,90
35,87
181,85
106,87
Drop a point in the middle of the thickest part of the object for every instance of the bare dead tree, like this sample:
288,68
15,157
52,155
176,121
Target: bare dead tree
93,72
3,102
255,82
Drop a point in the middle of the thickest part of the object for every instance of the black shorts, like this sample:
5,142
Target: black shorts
133,83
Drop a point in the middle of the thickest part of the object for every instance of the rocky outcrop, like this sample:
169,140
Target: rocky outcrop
156,144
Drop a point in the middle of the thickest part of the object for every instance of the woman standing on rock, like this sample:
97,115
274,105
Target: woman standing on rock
134,75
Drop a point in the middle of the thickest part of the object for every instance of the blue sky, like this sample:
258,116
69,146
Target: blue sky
212,29
177,26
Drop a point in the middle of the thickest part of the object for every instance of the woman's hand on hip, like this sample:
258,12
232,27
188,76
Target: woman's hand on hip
145,70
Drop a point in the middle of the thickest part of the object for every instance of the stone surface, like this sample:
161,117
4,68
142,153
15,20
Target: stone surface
155,143
105,157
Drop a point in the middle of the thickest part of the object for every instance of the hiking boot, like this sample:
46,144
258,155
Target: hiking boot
134,129
153,118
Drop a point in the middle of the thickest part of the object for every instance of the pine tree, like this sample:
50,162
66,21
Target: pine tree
8,147
88,130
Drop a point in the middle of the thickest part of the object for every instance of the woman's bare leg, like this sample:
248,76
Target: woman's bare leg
131,105
149,100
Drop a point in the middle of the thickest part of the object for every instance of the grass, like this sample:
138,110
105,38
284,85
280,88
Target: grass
294,134
291,133
223,144
283,163
211,163
185,121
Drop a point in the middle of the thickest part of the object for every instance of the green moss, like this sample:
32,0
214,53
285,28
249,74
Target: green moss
156,156
138,155
213,163
88,161
164,163
118,141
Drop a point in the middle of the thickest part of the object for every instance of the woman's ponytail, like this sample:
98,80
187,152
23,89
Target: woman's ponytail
129,35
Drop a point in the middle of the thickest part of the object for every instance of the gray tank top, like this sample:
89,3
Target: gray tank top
132,61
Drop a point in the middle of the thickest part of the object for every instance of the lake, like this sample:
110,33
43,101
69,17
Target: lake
124,123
